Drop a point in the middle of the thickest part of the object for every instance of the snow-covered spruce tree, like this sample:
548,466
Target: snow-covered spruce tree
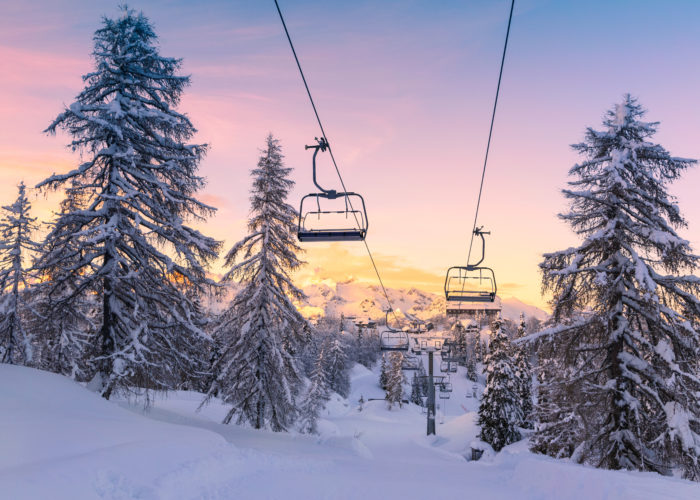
63,319
368,348
523,373
384,372
16,228
138,185
459,337
522,328
257,373
628,333
558,425
395,380
471,368
416,390
500,413
317,396
336,366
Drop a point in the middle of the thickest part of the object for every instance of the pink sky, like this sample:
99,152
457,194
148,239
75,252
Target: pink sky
405,91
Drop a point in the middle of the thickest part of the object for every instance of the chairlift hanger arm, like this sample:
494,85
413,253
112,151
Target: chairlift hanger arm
478,231
387,320
322,145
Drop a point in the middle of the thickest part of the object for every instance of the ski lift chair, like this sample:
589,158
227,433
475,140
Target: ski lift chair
471,283
323,223
410,363
444,395
393,339
415,348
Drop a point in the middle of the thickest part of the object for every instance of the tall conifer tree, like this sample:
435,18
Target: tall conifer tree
628,339
129,241
262,329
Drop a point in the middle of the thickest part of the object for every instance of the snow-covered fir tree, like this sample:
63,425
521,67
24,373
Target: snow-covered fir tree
394,380
471,368
384,372
522,327
337,367
423,378
367,346
139,181
627,343
16,226
472,356
500,413
459,337
64,318
261,329
416,390
317,396
523,373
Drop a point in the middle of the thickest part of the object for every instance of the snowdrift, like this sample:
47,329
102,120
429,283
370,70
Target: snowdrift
60,441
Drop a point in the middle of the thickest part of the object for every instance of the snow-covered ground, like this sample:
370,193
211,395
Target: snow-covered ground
60,441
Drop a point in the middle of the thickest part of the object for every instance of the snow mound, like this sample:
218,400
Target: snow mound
59,437
60,441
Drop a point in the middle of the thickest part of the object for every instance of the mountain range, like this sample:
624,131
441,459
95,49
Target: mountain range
363,300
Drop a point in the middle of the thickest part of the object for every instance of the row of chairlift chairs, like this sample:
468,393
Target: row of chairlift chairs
322,219
471,283
394,339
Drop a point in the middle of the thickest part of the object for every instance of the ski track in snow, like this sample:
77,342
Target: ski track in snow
62,441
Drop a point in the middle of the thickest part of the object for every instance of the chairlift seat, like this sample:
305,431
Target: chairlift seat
393,340
331,235
469,296
415,348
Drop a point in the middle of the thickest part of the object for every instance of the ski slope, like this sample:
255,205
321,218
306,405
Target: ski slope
61,441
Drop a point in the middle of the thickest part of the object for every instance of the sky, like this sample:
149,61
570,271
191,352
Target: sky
405,90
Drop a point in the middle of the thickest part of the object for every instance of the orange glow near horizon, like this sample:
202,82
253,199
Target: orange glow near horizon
405,101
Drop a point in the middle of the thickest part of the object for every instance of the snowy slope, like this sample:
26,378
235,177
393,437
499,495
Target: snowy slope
512,308
60,441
